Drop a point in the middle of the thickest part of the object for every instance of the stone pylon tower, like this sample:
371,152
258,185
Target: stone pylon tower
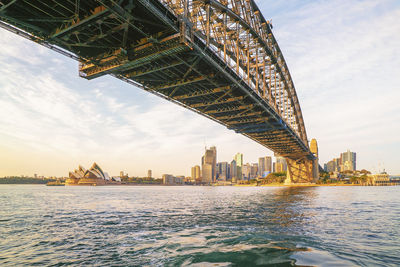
314,150
304,170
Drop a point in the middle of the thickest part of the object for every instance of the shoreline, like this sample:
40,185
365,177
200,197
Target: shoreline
235,185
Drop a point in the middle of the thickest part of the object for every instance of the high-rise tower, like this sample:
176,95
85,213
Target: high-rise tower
208,165
264,166
348,161
233,171
239,164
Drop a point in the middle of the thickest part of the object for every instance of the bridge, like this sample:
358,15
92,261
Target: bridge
218,58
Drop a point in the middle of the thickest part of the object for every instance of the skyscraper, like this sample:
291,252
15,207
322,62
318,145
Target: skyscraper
233,172
254,171
264,166
214,163
246,171
208,165
281,165
239,164
223,171
268,164
149,174
348,161
195,171
261,166
331,166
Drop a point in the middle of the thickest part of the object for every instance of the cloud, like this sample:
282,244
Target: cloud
61,120
343,56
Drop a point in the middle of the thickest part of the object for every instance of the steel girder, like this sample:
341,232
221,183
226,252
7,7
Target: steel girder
217,58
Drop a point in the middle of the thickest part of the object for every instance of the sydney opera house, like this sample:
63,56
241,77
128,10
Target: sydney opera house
92,176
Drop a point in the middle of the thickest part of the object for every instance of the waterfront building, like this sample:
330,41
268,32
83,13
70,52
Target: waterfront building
246,171
337,164
92,176
217,171
195,171
208,165
348,161
331,166
239,164
223,171
214,162
280,165
169,179
380,179
254,171
180,179
207,174
264,166
121,174
233,171
149,174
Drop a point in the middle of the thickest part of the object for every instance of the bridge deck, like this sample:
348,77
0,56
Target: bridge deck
141,42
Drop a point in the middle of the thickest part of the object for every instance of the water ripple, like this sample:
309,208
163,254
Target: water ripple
199,226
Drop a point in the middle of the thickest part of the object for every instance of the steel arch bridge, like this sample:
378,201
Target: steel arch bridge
218,58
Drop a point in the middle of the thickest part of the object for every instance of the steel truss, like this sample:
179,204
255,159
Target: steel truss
217,58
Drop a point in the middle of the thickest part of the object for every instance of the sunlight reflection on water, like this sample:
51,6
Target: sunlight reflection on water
198,226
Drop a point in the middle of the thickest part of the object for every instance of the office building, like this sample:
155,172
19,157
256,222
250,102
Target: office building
233,171
348,161
149,174
223,171
169,179
246,171
280,165
214,163
208,164
254,171
264,166
195,172
331,166
239,164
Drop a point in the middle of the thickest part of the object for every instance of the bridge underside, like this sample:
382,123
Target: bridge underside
142,42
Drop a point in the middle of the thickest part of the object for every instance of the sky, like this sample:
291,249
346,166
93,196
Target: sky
344,58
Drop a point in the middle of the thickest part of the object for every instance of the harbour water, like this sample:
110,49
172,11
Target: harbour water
199,226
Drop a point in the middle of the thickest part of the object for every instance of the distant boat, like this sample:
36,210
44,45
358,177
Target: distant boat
56,183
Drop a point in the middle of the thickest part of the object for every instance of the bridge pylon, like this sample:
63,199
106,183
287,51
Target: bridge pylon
300,171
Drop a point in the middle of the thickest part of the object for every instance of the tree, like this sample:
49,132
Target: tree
364,171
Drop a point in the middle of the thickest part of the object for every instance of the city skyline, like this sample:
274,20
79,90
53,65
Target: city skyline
53,120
